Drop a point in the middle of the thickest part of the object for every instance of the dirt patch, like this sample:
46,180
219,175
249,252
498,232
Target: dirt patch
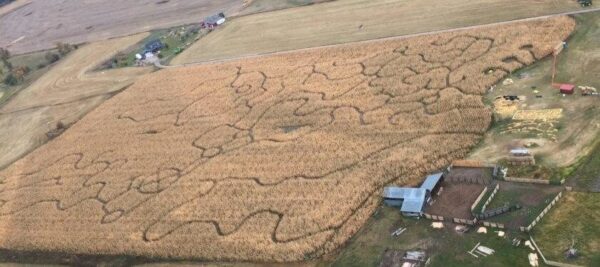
472,175
455,200
392,258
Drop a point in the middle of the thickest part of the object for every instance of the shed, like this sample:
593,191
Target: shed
414,202
213,21
567,88
410,200
431,181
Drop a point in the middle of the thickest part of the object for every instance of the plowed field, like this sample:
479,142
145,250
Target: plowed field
277,158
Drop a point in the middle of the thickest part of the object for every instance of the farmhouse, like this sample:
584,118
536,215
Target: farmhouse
412,200
213,21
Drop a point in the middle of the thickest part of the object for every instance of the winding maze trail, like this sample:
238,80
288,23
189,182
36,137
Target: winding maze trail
277,158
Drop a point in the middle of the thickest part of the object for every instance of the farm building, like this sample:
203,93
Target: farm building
566,88
213,21
412,201
153,46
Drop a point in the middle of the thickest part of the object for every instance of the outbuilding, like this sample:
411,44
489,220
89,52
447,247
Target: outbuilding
412,201
567,88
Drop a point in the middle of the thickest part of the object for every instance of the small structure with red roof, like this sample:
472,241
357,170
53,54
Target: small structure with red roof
567,88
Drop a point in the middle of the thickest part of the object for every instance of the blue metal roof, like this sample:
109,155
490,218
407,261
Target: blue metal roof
431,181
414,201
394,192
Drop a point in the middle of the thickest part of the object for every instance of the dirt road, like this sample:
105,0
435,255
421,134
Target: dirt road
42,23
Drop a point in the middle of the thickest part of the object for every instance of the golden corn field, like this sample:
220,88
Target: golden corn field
277,158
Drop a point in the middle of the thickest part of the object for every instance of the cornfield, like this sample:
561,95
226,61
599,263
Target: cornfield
277,158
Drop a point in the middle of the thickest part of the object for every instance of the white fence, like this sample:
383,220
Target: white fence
433,217
541,215
485,189
487,202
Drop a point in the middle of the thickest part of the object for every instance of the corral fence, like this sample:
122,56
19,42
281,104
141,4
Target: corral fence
433,217
493,224
526,180
470,164
465,221
541,215
549,262
466,179
496,211
489,199
485,189
532,181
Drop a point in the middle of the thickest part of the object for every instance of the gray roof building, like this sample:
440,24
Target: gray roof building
411,200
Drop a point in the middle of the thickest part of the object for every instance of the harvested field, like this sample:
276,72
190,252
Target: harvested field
39,25
279,158
65,93
455,200
346,21
538,114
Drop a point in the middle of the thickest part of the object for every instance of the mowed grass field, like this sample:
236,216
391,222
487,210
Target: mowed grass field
39,25
446,247
575,218
277,158
355,20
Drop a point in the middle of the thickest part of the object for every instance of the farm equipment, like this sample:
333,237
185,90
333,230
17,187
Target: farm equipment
588,90
571,252
557,49
585,3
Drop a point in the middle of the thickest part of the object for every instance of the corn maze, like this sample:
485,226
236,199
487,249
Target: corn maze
278,158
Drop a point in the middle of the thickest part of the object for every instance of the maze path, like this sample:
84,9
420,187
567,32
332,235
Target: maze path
273,159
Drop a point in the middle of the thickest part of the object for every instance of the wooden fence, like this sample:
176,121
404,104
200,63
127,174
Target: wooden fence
493,224
526,180
549,262
489,199
471,164
485,189
541,215
464,221
433,217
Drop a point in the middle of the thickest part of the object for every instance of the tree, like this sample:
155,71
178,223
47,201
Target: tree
4,54
11,80
64,48
51,57
19,73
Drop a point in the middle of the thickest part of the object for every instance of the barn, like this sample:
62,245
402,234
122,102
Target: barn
411,200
